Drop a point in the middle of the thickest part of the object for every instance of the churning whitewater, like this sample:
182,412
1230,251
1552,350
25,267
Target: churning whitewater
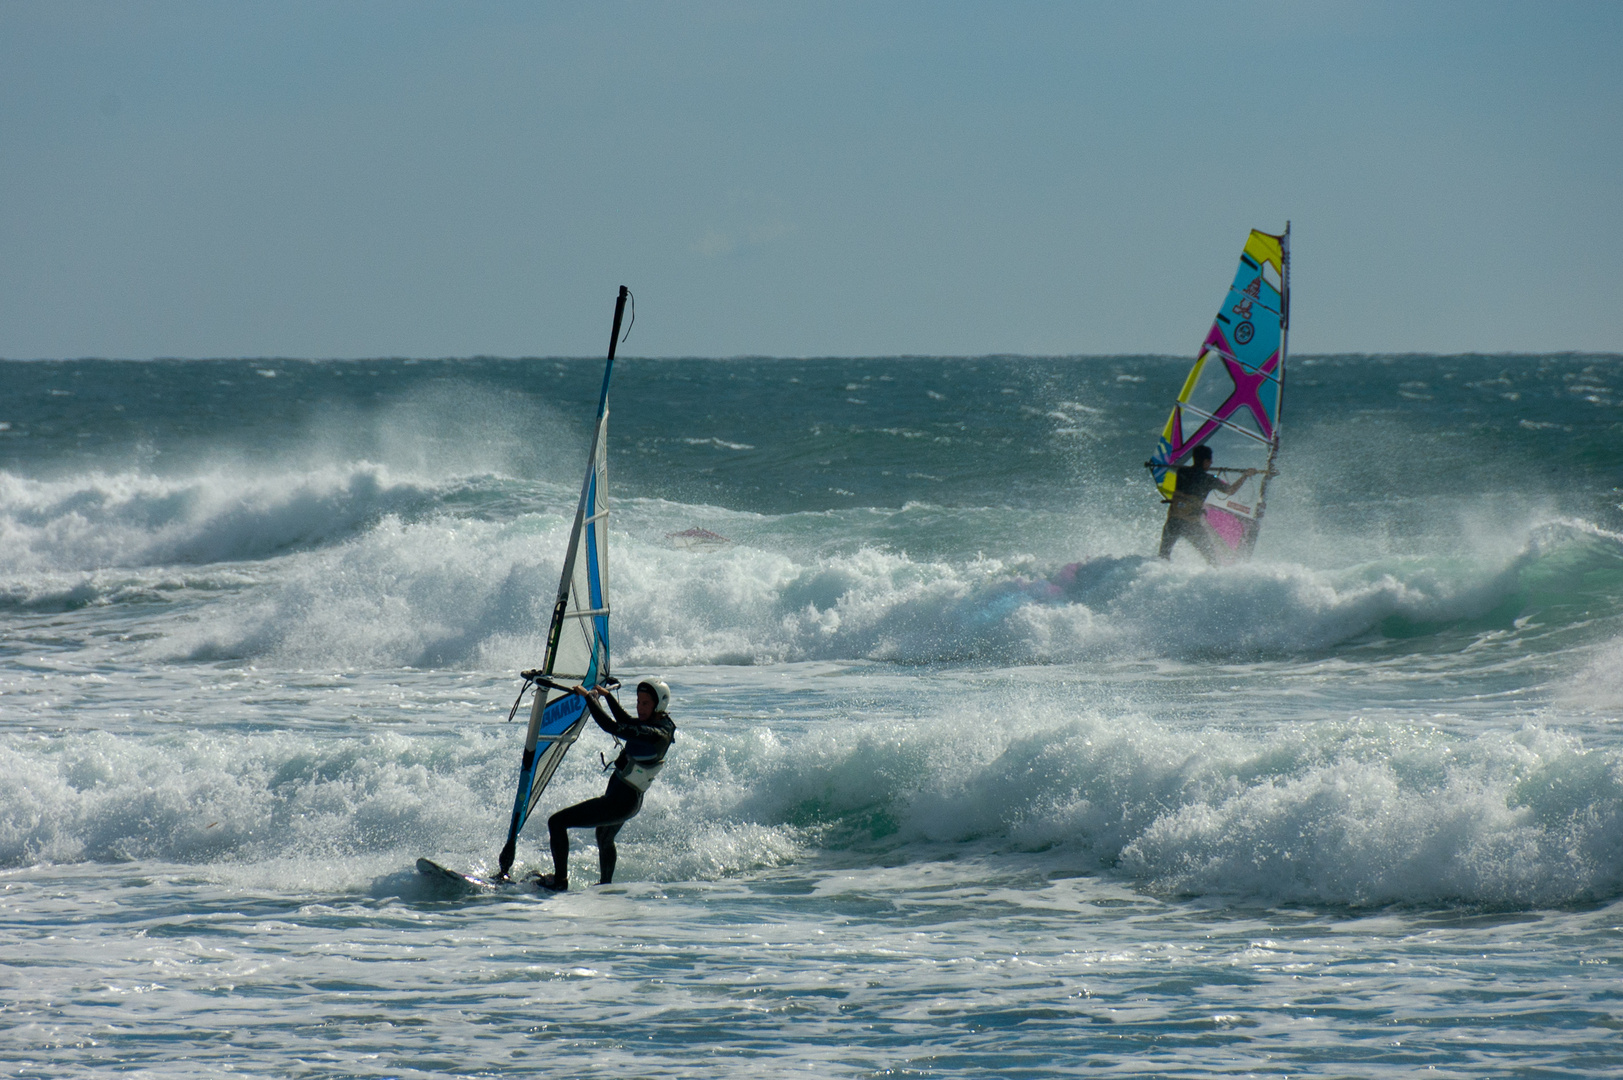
966,780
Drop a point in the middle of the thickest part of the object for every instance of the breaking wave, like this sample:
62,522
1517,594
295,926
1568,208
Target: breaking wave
462,592
1358,813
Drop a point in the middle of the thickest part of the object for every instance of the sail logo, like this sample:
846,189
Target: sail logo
1245,331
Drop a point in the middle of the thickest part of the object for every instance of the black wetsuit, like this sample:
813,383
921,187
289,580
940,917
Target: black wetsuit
646,743
1185,519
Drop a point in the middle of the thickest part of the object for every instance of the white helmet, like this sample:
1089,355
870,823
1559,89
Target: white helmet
662,693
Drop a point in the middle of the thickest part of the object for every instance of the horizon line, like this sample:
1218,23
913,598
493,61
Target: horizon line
1299,357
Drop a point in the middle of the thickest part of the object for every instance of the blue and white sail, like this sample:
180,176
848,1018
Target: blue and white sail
578,638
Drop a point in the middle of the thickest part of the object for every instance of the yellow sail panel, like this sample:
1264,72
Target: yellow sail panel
1168,436
1267,248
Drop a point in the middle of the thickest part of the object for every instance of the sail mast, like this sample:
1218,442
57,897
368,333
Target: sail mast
1284,354
560,606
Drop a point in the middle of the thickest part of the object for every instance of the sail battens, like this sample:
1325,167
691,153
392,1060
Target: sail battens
1263,371
1256,302
1226,423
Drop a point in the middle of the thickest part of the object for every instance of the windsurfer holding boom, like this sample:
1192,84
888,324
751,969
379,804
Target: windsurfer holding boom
647,738
1185,519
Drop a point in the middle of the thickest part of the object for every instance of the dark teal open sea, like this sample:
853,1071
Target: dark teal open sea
966,784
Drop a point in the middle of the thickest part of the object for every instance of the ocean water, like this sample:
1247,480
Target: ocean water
965,784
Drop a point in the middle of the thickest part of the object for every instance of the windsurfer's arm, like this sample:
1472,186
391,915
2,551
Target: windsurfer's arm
619,711
1231,488
594,699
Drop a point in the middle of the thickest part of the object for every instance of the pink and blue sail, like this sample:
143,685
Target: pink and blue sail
1231,397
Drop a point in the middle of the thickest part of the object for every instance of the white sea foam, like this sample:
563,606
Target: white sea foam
459,592
342,471
1356,812
143,520
1598,687
374,564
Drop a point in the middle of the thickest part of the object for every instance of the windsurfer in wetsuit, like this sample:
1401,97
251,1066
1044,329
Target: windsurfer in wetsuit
647,738
1185,517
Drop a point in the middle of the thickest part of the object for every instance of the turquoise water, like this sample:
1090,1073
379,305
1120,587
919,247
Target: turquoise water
965,784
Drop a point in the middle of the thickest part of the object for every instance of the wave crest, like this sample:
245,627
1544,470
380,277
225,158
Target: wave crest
139,520
449,592
1358,812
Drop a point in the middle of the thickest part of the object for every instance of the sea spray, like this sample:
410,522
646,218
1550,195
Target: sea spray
449,592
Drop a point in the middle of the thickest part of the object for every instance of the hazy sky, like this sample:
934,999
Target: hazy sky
409,179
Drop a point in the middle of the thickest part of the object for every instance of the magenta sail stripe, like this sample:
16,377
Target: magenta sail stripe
1229,527
1246,387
